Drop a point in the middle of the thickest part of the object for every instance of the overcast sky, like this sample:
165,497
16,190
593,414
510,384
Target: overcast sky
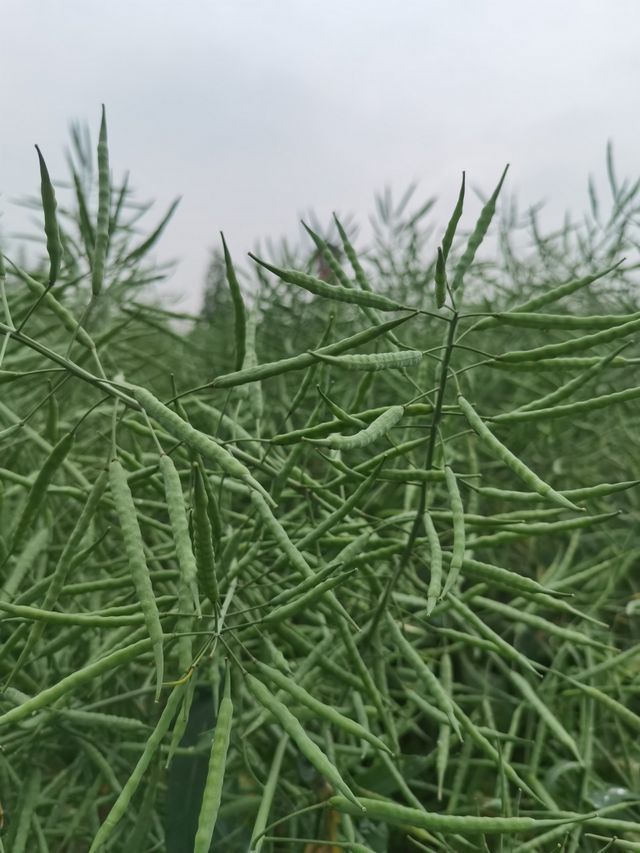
258,112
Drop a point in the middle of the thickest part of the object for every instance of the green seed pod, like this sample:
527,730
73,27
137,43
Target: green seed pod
457,512
180,526
444,733
332,291
351,254
435,563
51,229
252,390
60,311
527,320
203,541
38,491
505,455
212,794
293,728
302,602
74,681
239,314
134,547
104,202
122,804
573,345
300,362
553,724
378,428
397,815
373,361
549,296
433,685
452,225
440,279
198,441
477,235
578,408
328,255
325,712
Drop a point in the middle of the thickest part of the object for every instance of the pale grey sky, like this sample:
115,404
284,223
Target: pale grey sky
257,112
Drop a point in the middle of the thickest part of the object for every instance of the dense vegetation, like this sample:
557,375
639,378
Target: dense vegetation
347,562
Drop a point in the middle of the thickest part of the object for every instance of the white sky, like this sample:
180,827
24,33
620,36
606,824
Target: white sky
257,112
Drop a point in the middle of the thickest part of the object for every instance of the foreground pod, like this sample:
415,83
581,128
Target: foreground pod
296,732
398,815
373,361
201,443
134,547
215,773
510,459
377,429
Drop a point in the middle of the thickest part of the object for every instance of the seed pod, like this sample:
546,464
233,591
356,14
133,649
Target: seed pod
198,441
578,408
104,202
554,725
252,390
55,582
203,541
63,314
302,602
601,490
332,291
54,244
134,547
549,296
215,774
528,320
567,389
72,682
339,412
435,563
373,361
328,255
517,615
573,345
304,360
122,804
452,225
26,805
325,712
502,578
351,254
239,315
457,513
255,845
511,460
53,617
38,491
180,526
477,235
471,619
379,427
397,815
445,703
444,733
298,735
304,586
440,279
25,563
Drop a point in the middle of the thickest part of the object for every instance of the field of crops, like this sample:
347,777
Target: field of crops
348,561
